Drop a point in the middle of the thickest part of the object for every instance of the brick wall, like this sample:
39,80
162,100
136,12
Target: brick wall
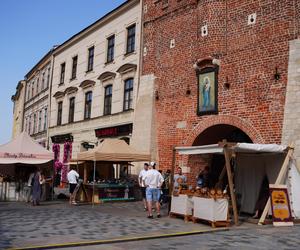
248,57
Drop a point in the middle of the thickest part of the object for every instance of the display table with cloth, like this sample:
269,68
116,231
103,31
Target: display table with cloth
182,205
209,209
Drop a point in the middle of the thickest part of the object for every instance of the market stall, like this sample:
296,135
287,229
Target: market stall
252,163
110,165
17,159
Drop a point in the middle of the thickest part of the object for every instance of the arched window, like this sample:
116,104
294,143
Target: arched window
107,100
128,94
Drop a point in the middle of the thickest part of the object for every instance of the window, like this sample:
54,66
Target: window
28,92
32,89
45,118
43,81
62,73
37,85
88,105
107,100
74,67
128,94
34,124
130,39
71,109
26,125
29,125
91,59
110,48
48,77
40,121
59,113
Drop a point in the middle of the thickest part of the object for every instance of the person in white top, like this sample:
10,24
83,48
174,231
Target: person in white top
153,181
72,179
141,183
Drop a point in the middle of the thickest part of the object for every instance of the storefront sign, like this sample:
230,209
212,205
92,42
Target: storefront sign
280,204
114,131
62,138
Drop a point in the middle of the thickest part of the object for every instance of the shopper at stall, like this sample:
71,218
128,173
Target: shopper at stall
166,186
141,184
28,188
72,179
153,181
179,178
36,188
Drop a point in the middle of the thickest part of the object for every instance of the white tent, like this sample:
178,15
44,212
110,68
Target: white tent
23,149
253,162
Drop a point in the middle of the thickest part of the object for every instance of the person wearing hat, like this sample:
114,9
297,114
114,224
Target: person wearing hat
141,183
153,181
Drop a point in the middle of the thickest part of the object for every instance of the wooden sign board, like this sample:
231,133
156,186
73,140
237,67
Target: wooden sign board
280,204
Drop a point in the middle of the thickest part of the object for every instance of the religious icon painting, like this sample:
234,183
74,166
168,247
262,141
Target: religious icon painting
207,91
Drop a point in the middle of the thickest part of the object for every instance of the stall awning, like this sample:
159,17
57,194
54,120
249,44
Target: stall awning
196,150
238,147
23,149
114,150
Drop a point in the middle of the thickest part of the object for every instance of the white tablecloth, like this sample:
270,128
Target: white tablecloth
182,204
210,209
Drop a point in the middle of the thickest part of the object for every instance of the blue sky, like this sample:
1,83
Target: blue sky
28,29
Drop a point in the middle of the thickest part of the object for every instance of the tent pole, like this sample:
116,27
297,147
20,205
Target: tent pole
278,181
230,182
94,182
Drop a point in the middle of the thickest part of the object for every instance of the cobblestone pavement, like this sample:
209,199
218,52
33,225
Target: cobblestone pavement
55,222
266,238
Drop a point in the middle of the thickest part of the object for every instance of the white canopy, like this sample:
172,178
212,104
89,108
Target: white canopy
239,147
23,149
113,150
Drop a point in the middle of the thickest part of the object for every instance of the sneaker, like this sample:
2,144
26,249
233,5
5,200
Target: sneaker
158,215
145,209
74,203
150,217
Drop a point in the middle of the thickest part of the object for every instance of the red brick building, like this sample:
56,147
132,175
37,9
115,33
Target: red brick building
246,42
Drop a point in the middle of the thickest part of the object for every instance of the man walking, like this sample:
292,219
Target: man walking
72,179
153,181
141,183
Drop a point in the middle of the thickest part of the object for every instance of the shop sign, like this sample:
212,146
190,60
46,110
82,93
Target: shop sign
62,138
280,204
114,131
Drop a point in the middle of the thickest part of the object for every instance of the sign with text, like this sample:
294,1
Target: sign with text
280,204
114,131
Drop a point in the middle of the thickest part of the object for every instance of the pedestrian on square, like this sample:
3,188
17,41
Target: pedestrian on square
72,179
153,181
28,188
36,188
141,184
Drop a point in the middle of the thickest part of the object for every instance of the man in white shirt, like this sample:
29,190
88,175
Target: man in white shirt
141,183
72,179
153,181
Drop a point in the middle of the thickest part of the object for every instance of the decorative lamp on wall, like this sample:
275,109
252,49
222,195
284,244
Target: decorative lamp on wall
188,91
156,95
277,74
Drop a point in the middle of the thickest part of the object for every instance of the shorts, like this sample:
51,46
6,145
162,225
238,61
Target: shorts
152,194
143,190
72,187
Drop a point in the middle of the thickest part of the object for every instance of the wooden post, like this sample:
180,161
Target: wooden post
172,172
230,183
84,173
278,181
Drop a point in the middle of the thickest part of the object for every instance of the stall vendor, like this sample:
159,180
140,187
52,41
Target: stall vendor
179,178
203,178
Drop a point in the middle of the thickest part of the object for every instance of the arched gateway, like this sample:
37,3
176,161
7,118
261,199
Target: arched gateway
211,131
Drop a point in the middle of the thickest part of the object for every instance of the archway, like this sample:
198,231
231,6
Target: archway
215,162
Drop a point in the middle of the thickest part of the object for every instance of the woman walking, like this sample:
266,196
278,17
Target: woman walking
36,190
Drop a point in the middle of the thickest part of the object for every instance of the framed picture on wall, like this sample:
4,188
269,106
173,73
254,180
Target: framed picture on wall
207,91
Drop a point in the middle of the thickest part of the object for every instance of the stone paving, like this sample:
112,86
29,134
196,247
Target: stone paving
55,222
